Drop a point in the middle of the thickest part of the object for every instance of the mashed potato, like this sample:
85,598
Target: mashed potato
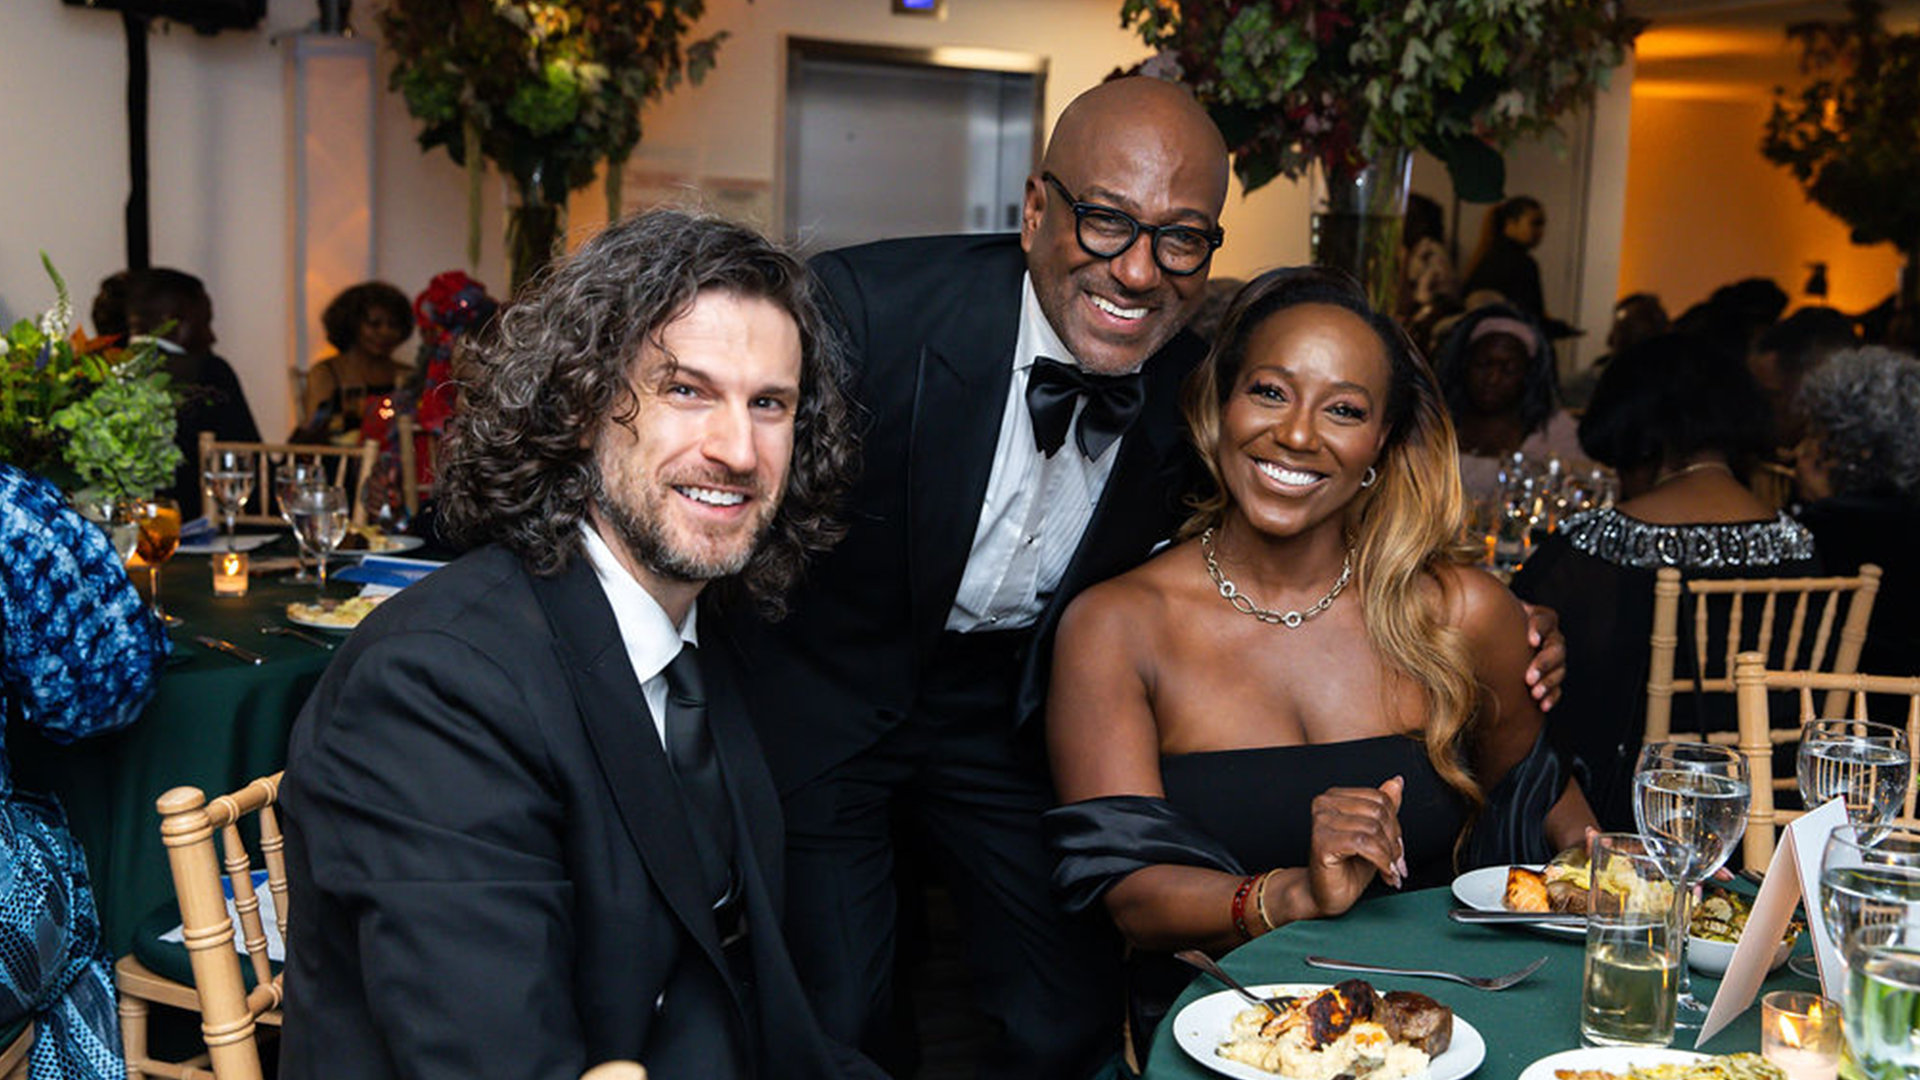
1365,1051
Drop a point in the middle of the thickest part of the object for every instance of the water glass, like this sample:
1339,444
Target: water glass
319,516
1869,879
1882,1007
291,476
226,477
1693,797
1859,761
1629,987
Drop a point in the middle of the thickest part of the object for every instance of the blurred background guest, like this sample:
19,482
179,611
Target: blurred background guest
210,394
1736,314
364,324
1503,262
1429,285
1785,352
1859,469
1496,368
1679,420
79,655
110,307
1636,317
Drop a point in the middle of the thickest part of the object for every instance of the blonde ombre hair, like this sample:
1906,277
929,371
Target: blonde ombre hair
1404,526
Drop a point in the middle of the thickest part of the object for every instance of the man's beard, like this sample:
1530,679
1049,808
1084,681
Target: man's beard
646,538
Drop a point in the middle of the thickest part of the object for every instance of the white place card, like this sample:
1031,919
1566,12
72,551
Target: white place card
1793,875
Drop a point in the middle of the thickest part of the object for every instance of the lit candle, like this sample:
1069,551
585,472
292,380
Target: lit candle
1800,1032
230,574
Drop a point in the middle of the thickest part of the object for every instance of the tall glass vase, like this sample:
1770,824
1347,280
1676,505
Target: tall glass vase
536,224
1356,222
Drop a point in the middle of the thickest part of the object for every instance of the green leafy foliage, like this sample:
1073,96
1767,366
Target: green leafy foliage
1848,136
1291,82
85,410
547,88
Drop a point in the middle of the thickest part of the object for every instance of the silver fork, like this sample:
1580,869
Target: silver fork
1198,959
1478,982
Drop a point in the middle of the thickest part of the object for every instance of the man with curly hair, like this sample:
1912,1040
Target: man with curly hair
529,827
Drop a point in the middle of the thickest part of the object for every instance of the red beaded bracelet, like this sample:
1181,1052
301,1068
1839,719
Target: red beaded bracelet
1240,906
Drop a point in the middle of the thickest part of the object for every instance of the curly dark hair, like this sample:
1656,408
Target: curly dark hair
1864,404
1665,399
556,366
347,311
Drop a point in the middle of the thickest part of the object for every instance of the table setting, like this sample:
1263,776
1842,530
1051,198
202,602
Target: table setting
1622,973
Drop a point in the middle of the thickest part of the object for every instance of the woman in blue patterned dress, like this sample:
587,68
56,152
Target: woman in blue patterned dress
79,655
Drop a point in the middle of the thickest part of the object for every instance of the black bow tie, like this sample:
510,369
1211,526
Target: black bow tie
1112,403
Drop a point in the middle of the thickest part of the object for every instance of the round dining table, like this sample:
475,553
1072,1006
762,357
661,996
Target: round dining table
1522,1024
215,723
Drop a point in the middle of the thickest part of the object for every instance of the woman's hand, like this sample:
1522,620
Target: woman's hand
1356,834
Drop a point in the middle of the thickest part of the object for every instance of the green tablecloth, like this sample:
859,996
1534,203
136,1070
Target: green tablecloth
1521,1025
215,723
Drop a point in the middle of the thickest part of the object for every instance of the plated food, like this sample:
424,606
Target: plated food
1347,1030
333,614
1560,886
1485,890
1682,1067
1718,921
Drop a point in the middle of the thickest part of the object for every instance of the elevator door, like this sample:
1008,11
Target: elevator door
889,147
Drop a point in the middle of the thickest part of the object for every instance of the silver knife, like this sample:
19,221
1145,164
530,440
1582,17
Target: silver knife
1475,915
230,649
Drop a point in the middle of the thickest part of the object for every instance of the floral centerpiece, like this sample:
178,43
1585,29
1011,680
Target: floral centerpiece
85,412
546,89
1351,84
1848,135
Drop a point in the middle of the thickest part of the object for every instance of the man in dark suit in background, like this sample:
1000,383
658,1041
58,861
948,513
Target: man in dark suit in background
1023,441
529,827
210,395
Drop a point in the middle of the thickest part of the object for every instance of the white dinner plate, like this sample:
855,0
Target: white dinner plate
395,545
1202,1026
1483,889
1613,1059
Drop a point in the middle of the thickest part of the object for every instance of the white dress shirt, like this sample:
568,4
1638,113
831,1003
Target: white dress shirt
651,639
1036,507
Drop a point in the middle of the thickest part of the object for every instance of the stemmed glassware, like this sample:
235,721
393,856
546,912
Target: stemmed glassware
1869,880
158,519
1882,1000
1694,797
319,517
227,478
289,479
1857,760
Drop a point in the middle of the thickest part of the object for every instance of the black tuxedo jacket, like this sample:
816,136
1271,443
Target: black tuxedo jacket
491,871
931,326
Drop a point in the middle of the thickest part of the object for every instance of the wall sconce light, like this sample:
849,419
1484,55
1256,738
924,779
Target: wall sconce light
933,8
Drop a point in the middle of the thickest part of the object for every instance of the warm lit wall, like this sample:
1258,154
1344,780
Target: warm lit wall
1705,208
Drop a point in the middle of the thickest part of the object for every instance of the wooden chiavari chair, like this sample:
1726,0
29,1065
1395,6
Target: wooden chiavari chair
1791,599
346,467
228,1011
1758,737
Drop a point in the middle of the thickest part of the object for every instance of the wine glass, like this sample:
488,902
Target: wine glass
1881,1013
1857,760
320,522
1694,797
293,475
1868,881
227,479
158,519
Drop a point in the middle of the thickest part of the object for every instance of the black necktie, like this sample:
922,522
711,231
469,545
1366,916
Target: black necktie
1112,403
690,752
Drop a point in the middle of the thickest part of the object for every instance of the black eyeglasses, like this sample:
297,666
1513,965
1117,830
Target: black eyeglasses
1106,233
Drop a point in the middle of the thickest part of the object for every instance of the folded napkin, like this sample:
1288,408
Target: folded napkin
394,573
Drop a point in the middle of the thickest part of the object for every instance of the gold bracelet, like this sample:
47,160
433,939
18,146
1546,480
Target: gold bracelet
1260,900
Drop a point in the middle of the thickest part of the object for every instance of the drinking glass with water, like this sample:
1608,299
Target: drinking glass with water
1859,761
1692,797
1635,926
1869,880
1881,1012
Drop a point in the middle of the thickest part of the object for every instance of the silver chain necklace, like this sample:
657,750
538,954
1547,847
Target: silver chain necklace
1289,619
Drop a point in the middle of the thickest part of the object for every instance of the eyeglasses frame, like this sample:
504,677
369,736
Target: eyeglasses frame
1214,237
